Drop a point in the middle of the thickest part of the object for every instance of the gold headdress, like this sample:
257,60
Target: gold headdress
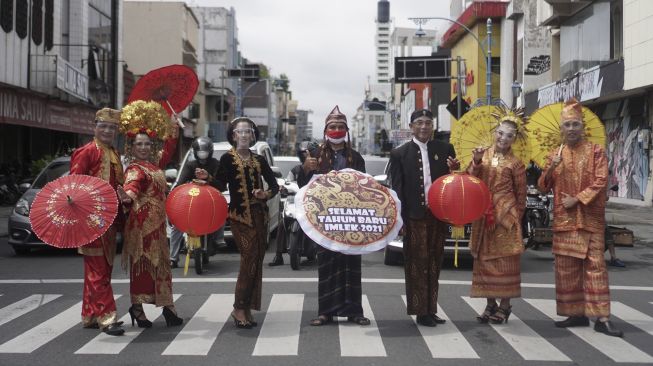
572,110
108,115
516,116
145,117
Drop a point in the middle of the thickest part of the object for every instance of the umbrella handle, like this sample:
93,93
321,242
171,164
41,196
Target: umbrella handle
70,199
174,115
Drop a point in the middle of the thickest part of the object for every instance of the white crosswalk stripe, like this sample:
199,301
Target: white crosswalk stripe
445,340
45,332
281,324
280,332
522,338
616,348
24,306
110,345
199,334
632,316
352,336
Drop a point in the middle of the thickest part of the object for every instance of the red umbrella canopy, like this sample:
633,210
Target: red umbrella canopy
196,209
174,84
73,210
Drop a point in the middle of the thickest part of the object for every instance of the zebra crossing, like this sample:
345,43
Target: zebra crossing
283,324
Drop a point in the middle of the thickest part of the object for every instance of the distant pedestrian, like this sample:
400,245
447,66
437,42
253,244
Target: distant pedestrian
577,172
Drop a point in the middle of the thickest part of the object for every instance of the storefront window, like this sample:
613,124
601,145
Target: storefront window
585,39
7,15
100,54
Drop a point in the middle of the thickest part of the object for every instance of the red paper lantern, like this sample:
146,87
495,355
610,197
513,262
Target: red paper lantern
458,198
196,209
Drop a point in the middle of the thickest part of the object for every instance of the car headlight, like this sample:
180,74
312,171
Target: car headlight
22,207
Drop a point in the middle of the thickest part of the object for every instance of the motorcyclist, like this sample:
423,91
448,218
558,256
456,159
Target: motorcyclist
204,167
304,149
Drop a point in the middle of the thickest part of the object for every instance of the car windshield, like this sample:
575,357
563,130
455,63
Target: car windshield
285,165
50,173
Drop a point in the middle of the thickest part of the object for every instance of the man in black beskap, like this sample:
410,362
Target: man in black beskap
413,167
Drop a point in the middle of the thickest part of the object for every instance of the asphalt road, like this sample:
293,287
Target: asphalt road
39,319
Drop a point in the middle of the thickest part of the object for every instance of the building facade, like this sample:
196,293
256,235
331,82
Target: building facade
169,37
59,63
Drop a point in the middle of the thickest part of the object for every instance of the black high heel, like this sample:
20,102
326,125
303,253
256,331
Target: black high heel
244,324
489,311
501,316
135,312
172,320
250,318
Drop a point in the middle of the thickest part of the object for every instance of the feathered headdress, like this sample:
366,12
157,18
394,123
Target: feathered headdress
145,117
516,116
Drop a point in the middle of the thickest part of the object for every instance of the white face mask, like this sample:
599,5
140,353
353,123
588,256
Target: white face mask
202,155
336,141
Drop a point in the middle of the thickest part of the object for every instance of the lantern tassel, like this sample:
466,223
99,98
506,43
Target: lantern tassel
192,244
457,233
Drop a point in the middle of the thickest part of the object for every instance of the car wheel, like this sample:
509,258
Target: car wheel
294,249
22,251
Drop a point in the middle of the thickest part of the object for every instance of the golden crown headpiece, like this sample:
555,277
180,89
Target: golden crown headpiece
145,117
514,115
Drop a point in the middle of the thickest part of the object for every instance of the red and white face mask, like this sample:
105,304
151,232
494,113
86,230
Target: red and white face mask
336,137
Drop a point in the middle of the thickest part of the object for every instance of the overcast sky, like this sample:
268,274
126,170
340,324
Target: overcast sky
325,47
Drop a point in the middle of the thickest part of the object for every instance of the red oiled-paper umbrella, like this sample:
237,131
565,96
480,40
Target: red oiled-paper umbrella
196,209
458,199
173,86
73,210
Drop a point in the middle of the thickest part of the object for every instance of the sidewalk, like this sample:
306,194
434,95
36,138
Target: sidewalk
638,219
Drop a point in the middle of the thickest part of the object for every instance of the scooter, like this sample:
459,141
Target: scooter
536,216
9,191
299,245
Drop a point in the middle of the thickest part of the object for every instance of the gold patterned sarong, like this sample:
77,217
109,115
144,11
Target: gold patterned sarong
498,278
582,287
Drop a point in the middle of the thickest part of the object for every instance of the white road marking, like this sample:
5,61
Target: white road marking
616,348
199,334
445,340
523,339
280,331
24,306
361,341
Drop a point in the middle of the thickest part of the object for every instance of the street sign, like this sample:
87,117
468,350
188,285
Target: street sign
452,107
422,69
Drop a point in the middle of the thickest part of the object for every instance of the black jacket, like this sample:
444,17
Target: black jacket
241,184
407,178
211,165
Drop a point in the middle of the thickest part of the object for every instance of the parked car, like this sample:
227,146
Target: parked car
285,165
274,206
21,236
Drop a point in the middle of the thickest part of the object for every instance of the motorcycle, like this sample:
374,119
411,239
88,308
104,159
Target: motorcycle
9,190
536,216
298,244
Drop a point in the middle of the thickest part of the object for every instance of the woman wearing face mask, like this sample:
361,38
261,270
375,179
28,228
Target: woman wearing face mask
496,242
243,172
146,252
339,288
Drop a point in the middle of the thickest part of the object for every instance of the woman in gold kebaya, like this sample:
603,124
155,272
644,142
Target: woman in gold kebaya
496,242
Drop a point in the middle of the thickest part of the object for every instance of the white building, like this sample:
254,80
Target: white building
382,42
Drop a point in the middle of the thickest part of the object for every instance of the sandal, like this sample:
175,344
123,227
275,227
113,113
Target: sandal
489,311
360,320
243,324
501,316
322,320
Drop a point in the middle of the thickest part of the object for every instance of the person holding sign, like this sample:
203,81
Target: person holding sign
339,289
496,242
413,167
577,172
